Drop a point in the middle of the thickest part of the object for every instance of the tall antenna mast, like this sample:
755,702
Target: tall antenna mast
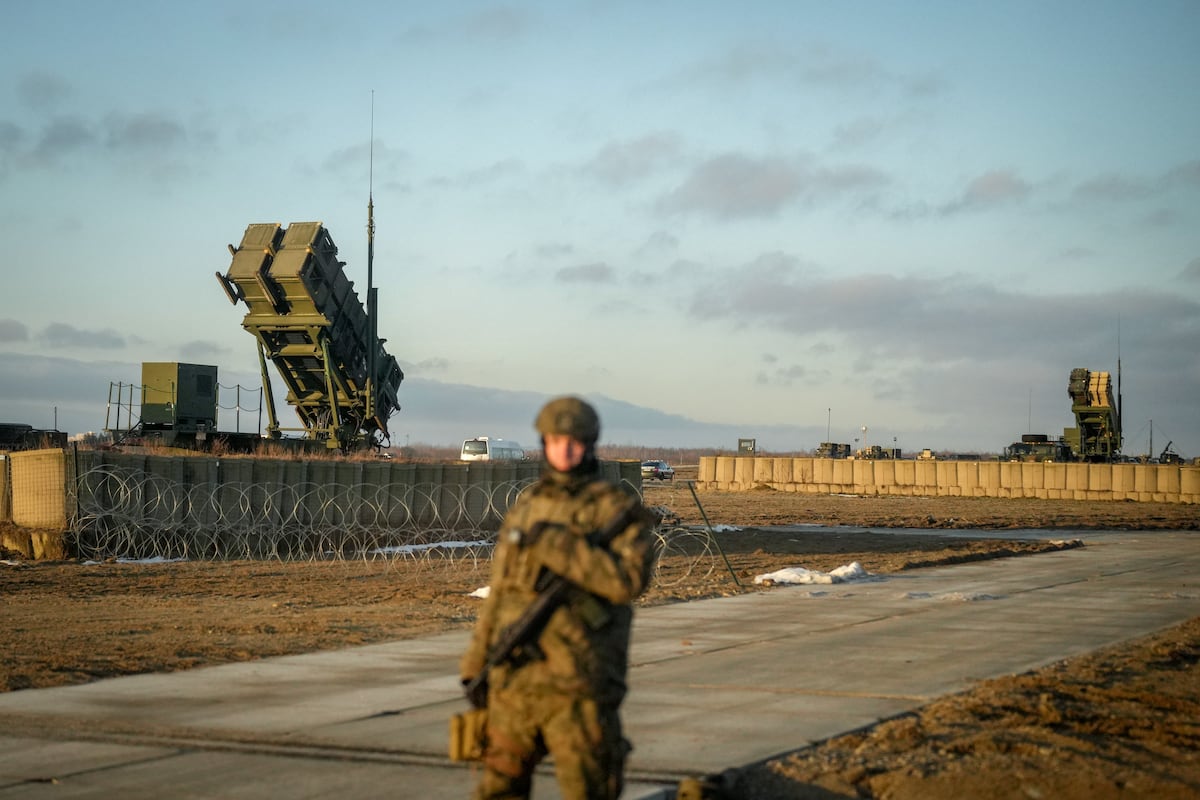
1120,419
371,301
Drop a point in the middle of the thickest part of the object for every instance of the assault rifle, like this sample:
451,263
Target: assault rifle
523,634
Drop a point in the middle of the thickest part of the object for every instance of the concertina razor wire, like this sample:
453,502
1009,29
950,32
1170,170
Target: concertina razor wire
127,514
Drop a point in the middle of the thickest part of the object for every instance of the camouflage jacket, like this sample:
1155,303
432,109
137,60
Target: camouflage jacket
585,643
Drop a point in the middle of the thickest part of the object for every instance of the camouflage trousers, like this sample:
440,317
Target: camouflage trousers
582,736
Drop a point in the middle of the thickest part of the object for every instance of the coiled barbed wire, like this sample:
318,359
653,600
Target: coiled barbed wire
123,513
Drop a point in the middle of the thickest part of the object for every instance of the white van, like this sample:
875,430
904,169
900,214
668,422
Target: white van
483,448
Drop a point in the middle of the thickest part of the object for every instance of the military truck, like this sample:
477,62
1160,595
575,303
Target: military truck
1038,447
875,452
1169,455
19,436
833,450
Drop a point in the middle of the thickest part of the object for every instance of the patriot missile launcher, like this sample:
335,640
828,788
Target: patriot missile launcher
308,321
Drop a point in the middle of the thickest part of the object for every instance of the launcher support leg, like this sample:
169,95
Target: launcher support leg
335,423
272,421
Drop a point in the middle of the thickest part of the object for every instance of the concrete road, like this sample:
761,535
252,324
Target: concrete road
714,684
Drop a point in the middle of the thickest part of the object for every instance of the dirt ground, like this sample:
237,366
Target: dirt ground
1119,723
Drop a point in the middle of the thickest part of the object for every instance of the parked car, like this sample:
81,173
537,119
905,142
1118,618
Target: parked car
660,470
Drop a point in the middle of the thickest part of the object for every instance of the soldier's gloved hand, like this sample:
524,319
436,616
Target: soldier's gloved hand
476,692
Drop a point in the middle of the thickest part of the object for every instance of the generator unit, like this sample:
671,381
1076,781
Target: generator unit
179,397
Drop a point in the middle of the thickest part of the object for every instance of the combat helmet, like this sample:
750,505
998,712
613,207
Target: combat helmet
571,416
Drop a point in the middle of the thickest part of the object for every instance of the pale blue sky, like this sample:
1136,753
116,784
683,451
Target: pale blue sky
759,217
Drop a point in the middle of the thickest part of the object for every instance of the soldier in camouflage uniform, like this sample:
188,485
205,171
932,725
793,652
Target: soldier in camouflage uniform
565,699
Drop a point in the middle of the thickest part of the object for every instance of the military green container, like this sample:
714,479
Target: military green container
181,397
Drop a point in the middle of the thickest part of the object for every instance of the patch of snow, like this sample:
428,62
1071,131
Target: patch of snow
970,597
962,597
417,548
800,575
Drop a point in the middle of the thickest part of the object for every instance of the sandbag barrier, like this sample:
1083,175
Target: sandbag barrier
1147,483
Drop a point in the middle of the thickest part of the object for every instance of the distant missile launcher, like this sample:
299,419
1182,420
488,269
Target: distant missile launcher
1097,432
1096,436
309,322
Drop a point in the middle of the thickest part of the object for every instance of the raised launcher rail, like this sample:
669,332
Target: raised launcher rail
1097,432
308,321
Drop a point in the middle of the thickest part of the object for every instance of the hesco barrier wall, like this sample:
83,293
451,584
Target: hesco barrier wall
33,485
5,490
1159,483
102,504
